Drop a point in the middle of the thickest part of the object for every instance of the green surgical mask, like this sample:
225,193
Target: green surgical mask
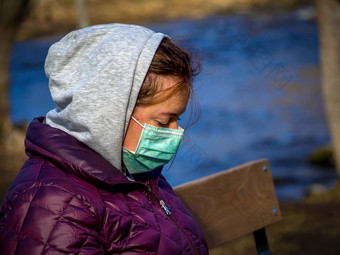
155,148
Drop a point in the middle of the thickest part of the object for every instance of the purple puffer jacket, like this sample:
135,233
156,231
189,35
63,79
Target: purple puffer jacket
67,199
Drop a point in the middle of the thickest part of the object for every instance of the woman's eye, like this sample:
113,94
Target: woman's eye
163,124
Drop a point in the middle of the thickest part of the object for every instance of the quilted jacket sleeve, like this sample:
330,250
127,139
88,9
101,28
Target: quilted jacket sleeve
48,220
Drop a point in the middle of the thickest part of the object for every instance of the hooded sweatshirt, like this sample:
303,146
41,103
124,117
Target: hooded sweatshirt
95,75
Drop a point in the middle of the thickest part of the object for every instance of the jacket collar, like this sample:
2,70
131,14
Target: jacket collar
71,155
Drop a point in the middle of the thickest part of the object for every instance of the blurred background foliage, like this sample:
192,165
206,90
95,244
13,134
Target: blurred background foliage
59,16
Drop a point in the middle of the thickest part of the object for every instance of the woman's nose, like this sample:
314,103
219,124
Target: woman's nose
173,125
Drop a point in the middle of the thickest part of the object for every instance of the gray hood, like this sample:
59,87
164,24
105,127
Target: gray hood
95,75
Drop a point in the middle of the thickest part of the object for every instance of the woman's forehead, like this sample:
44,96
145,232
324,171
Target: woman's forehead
174,105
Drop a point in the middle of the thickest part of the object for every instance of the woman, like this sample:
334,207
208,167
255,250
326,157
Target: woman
93,183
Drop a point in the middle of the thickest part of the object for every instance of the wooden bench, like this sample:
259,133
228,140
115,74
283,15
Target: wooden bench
233,203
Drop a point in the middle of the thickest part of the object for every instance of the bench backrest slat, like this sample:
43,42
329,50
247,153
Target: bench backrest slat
232,203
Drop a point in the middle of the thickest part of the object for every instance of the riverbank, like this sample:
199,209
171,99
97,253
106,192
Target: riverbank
58,17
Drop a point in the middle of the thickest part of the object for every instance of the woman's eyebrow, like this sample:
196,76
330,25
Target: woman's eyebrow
173,114
169,113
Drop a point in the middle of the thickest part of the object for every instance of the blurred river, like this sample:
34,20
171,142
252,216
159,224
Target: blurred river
259,93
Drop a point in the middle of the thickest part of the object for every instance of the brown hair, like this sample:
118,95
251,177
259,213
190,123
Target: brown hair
169,60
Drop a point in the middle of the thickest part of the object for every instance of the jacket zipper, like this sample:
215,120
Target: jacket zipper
191,243
168,213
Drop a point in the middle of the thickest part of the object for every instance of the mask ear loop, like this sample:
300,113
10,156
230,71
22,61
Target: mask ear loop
137,121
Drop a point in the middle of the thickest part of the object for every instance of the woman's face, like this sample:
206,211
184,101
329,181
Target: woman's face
164,114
